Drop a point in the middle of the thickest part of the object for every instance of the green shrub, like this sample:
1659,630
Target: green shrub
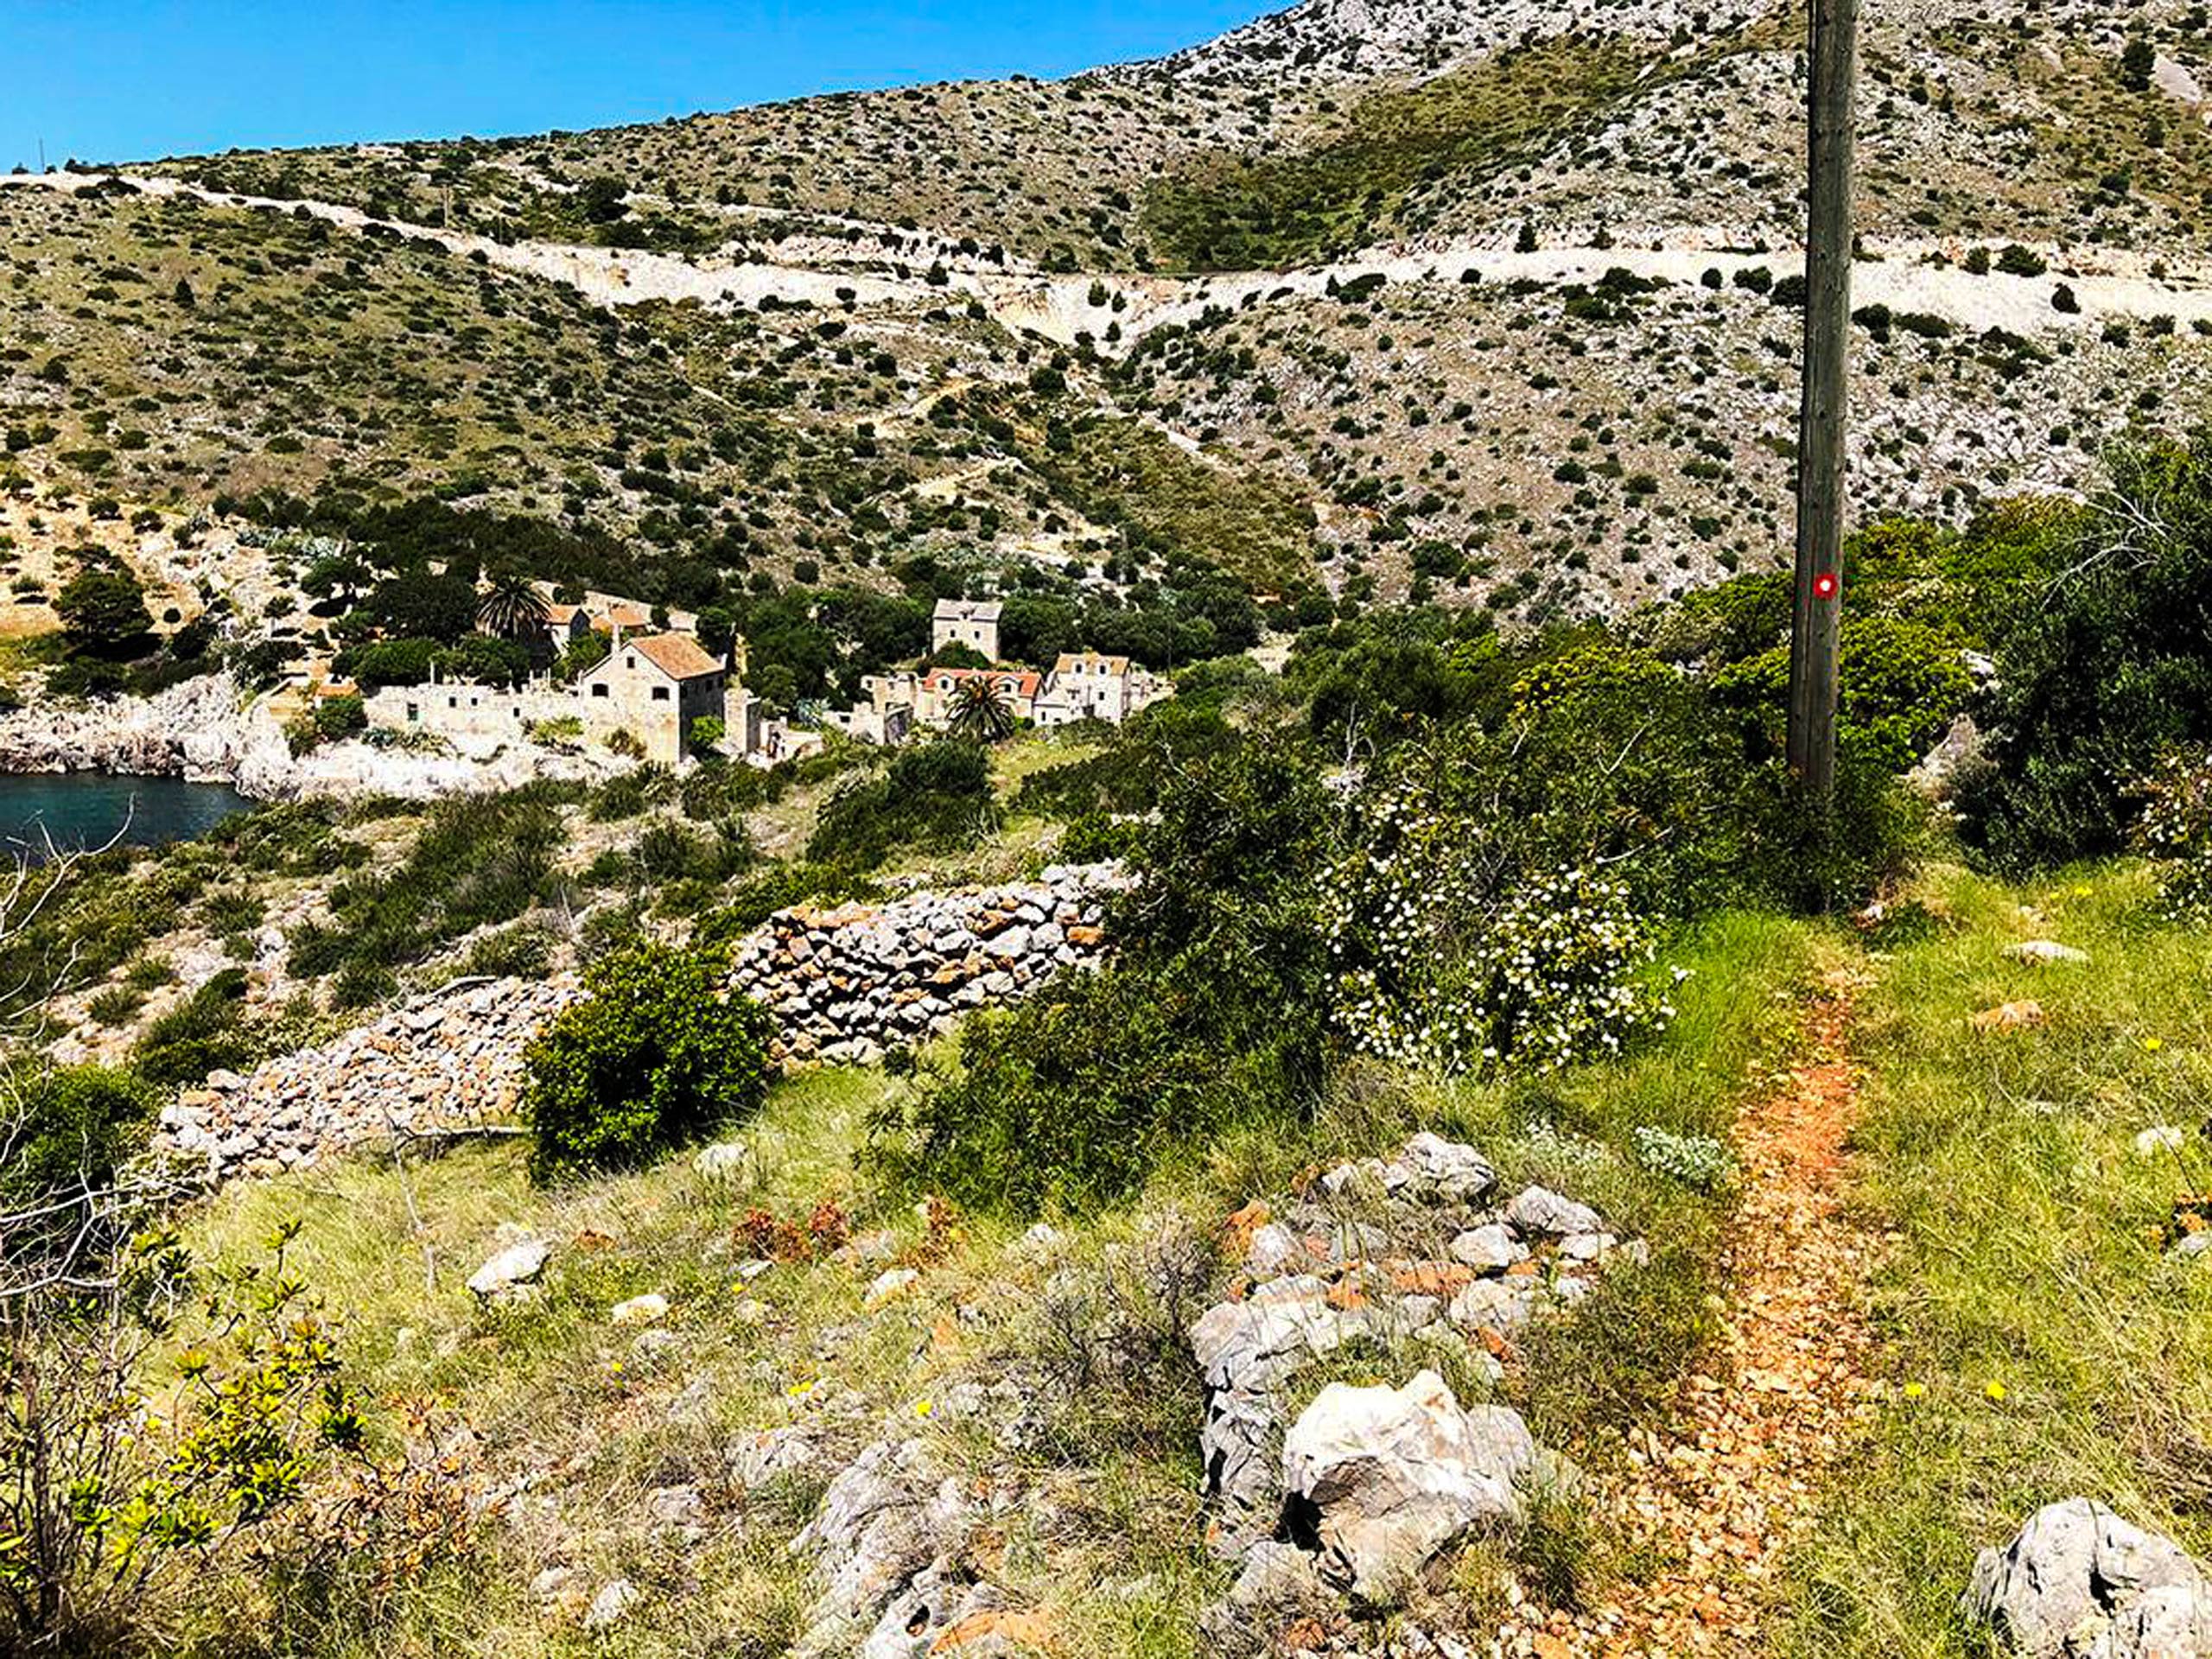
1696,1160
937,795
479,861
2106,673
103,614
84,1120
1441,965
114,1005
206,1033
653,1055
1125,776
776,889
1903,684
1212,1013
1095,836
521,952
340,717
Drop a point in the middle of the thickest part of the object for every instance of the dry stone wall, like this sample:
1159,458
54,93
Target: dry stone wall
452,1060
845,984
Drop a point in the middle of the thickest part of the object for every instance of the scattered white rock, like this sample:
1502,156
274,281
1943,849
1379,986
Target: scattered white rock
1380,1479
891,1284
640,1310
884,1520
1487,1248
614,1598
1539,1209
2080,1582
2045,952
725,1161
507,1277
1274,1249
769,1453
2164,1137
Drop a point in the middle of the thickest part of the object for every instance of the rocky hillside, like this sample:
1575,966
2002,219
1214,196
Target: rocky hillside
818,338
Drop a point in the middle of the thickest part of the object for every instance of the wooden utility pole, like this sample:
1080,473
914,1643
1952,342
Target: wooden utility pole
1817,618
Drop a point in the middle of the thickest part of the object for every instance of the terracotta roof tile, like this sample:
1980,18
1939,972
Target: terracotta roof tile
676,655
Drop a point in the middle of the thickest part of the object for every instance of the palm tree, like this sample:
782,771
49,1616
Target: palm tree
979,710
512,606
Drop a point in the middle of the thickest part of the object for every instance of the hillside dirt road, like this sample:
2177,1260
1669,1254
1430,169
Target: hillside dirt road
1061,308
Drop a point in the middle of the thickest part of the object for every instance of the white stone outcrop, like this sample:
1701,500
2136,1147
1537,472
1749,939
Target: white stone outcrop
890,1517
208,730
1380,1479
204,731
1359,1261
505,1276
2077,1582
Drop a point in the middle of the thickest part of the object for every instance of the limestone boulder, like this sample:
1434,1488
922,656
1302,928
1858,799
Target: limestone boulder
1378,1480
1541,1212
886,1517
2078,1582
507,1276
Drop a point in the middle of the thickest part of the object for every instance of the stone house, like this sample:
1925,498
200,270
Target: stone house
565,626
465,710
1091,685
937,694
653,687
971,622
886,712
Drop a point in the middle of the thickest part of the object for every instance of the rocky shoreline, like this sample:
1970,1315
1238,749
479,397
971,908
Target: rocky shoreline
209,731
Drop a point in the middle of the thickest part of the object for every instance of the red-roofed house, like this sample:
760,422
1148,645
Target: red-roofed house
653,687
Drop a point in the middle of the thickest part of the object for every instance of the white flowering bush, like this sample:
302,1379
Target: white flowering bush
1697,1160
2176,830
1443,959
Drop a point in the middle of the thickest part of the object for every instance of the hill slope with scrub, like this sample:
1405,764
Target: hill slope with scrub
1496,1075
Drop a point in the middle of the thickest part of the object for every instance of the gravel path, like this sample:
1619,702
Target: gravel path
2119,286
1784,1394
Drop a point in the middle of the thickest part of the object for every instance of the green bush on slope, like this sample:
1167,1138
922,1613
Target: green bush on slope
654,1055
2113,670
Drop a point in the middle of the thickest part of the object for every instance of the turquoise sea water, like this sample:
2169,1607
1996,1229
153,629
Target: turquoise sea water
85,809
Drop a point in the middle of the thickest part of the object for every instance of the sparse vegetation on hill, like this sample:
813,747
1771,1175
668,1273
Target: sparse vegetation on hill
1483,1074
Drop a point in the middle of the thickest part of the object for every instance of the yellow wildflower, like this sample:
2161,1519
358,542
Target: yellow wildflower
1995,1390
1913,1390
2152,1045
921,1407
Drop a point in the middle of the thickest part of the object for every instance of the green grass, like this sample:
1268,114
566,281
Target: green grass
1249,521
1112,1548
2024,1254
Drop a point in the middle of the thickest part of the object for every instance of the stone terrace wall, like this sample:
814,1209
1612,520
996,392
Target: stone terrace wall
845,984
448,1060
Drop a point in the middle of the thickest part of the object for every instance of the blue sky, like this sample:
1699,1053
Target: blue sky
133,79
